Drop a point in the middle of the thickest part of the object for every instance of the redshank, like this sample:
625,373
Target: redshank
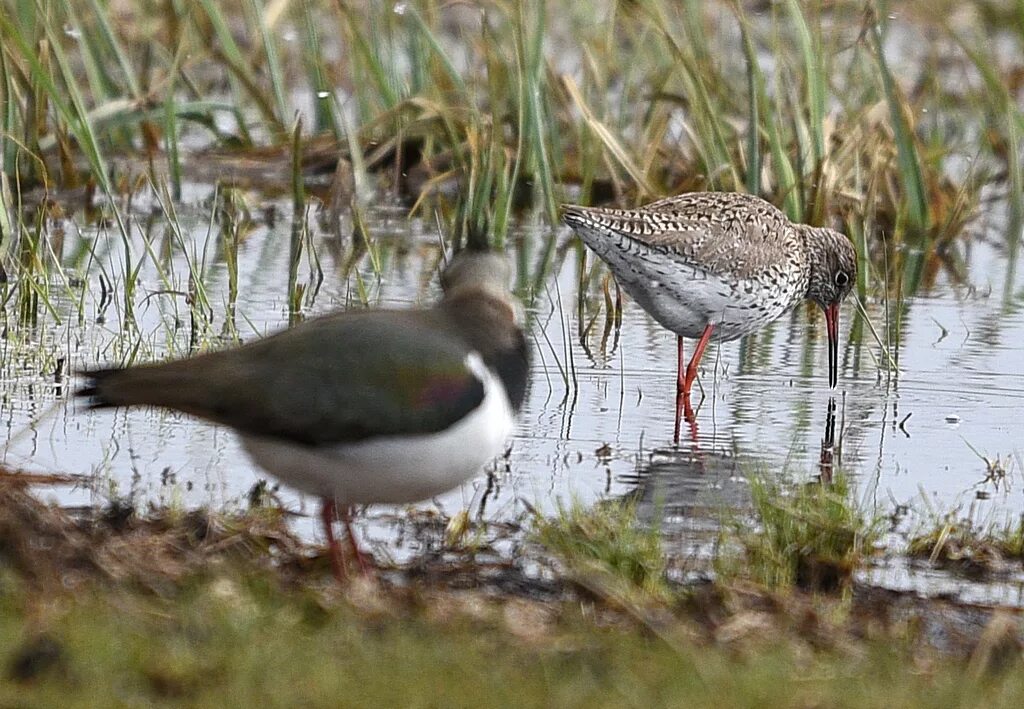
359,407
717,266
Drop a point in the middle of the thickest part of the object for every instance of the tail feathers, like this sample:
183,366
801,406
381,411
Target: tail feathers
92,391
574,215
159,385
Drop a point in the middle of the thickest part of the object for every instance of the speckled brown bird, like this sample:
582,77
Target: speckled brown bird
717,266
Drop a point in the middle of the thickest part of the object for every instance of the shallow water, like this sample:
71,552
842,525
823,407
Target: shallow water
598,419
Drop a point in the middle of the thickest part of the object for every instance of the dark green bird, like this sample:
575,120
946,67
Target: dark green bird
359,407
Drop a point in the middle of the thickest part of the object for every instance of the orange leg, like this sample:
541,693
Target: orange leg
328,513
691,369
682,400
684,411
684,382
680,372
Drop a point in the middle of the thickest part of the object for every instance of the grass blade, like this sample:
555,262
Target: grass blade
909,164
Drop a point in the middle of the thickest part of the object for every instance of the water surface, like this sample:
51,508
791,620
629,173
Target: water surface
598,419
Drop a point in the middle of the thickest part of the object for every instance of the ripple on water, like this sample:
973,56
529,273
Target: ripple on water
594,414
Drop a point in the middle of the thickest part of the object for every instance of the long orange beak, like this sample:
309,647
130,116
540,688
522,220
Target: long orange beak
832,324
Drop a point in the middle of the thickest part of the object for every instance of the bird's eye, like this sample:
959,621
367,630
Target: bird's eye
842,279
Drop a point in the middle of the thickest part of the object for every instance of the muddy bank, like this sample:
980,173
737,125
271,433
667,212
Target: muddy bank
47,552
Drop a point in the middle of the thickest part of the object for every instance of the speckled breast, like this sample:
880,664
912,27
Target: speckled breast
685,298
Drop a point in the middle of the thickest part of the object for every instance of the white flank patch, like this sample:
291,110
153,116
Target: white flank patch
396,469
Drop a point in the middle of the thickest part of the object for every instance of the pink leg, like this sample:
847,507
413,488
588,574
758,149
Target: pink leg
328,513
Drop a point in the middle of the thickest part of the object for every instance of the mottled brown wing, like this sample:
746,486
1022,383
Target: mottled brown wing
717,232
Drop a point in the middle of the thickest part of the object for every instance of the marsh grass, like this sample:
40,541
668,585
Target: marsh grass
478,117
514,97
607,543
811,536
960,542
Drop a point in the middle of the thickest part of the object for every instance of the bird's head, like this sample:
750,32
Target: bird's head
833,270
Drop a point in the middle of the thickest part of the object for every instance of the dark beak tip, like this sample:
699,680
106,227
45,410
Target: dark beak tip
832,323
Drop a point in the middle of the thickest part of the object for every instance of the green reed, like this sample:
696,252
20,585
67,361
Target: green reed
476,114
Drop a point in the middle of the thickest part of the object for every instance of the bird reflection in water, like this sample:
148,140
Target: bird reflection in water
830,454
686,491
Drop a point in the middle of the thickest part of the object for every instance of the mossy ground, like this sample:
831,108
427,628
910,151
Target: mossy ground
241,641
210,620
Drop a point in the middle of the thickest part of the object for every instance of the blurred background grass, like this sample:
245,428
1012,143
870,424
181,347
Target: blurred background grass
887,118
899,123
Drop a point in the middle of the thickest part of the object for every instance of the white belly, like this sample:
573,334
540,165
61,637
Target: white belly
397,469
686,299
